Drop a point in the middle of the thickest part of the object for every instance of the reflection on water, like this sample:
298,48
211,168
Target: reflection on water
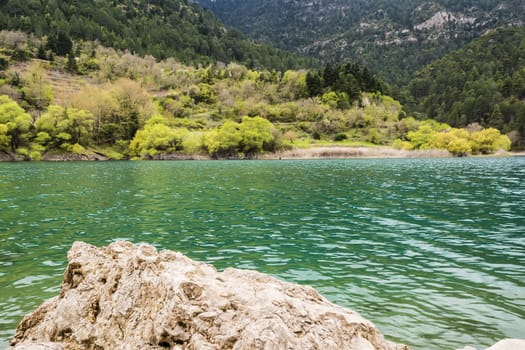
432,251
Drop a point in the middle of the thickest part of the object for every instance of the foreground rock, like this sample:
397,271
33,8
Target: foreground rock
509,344
128,297
505,344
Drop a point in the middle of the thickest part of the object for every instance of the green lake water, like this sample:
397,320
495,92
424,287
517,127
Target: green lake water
431,250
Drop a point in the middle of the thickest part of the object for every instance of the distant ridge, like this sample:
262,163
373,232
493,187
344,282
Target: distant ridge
483,83
162,28
393,38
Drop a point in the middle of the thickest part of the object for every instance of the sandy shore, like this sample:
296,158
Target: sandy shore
353,152
315,152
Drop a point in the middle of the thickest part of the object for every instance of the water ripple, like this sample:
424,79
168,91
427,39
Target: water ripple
432,251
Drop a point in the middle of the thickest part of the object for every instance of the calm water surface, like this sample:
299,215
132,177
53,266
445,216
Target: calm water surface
431,250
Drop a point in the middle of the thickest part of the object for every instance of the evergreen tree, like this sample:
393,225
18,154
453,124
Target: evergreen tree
60,43
497,119
71,63
330,75
314,84
41,54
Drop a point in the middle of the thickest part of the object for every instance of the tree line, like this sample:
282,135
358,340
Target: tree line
384,35
167,28
482,83
126,106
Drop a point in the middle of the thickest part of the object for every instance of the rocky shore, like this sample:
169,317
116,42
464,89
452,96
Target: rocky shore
133,297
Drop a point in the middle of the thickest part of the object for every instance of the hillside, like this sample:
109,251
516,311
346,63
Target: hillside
105,99
162,28
482,83
394,39
108,103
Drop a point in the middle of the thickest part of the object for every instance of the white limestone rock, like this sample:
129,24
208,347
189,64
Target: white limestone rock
132,297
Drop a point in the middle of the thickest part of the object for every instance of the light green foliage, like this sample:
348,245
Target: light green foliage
16,123
250,137
408,124
202,93
420,139
459,147
400,144
200,98
456,141
133,107
293,84
141,107
4,138
78,149
373,136
156,138
330,98
60,126
441,139
117,109
192,143
459,142
224,141
35,151
23,151
488,141
43,138
35,155
382,107
36,90
258,134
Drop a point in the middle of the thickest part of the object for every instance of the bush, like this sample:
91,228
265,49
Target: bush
4,62
35,155
78,149
340,137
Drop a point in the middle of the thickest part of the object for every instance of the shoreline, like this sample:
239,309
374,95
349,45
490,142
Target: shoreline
314,152
352,152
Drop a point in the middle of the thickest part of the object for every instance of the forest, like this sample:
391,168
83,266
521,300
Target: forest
482,83
102,100
393,38
161,28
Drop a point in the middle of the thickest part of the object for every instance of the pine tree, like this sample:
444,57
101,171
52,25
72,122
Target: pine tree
60,43
330,75
71,63
42,53
497,119
314,84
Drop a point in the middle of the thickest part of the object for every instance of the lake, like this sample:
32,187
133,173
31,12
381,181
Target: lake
430,250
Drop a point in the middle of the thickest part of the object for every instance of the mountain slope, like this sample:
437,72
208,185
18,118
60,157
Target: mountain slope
482,83
162,28
394,38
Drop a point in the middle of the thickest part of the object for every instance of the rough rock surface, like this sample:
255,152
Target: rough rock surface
132,297
61,157
509,344
9,157
505,344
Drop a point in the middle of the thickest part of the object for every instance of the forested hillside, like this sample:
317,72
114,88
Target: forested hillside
482,83
113,103
162,28
149,78
124,105
393,38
